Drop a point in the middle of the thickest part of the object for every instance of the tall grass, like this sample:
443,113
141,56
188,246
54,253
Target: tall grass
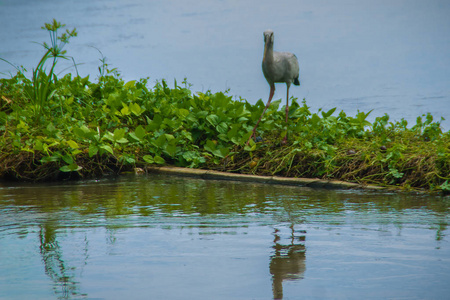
41,87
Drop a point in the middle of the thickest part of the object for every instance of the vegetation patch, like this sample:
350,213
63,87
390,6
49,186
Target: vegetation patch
70,127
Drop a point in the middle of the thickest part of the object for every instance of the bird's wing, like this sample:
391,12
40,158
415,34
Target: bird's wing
286,66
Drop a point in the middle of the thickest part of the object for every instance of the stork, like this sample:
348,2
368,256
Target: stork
277,67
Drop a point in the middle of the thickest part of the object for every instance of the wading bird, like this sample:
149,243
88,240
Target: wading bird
277,67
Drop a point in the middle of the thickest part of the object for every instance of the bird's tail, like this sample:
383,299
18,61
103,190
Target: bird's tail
296,81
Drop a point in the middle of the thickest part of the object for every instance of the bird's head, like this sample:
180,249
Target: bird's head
268,42
268,37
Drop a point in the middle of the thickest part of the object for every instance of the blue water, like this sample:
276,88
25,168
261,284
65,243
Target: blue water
159,237
389,56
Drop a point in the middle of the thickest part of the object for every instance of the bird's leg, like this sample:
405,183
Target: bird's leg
272,91
287,103
287,113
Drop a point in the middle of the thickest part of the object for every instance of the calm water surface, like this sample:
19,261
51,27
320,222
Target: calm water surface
158,237
392,56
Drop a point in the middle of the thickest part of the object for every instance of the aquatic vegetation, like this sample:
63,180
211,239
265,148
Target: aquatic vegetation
41,87
71,127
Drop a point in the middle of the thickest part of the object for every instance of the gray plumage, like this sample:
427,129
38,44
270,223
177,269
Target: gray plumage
278,67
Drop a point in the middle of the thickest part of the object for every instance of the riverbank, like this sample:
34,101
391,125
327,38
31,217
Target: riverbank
96,129
303,182
60,128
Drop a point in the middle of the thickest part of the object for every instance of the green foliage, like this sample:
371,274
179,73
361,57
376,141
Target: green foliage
41,87
71,126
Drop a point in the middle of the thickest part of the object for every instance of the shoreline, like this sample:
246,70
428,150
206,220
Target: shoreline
315,183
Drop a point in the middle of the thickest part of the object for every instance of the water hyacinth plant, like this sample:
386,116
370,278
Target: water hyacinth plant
70,127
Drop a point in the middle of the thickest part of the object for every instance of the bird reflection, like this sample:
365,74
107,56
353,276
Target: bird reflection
288,260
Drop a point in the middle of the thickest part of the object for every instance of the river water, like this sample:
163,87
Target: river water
160,237
387,56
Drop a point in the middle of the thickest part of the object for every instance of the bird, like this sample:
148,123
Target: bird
277,67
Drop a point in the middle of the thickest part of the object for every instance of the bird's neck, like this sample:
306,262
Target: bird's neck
268,52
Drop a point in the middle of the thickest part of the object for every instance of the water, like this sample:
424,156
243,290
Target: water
159,237
389,56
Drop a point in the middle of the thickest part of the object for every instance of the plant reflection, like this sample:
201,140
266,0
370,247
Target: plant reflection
63,276
288,260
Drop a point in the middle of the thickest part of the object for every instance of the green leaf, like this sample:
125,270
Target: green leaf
183,113
38,145
233,131
129,159
445,186
210,146
242,119
93,150
222,128
149,159
118,136
140,132
125,111
109,136
72,144
76,152
113,100
222,152
395,173
23,125
159,160
119,133
70,168
136,109
83,132
213,119
155,123
133,136
65,169
170,123
328,113
274,105
107,148
251,146
68,159
130,84
47,159
160,141
122,140
169,137
171,149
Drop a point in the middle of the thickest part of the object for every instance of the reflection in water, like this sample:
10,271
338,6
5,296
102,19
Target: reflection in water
62,275
288,261
442,227
145,233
